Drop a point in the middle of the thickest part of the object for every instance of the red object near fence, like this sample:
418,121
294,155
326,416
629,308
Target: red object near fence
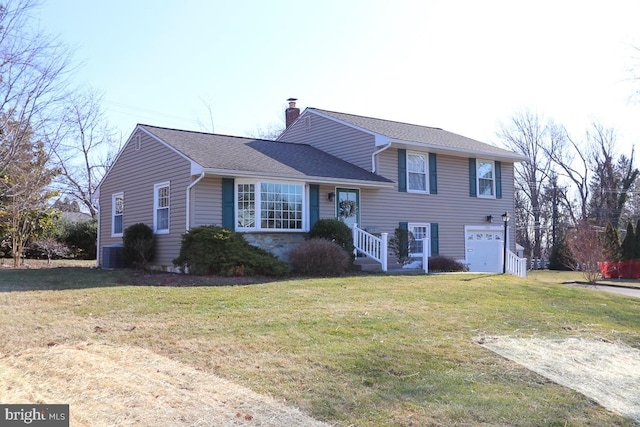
629,269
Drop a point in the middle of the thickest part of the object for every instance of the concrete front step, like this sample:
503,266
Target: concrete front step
369,264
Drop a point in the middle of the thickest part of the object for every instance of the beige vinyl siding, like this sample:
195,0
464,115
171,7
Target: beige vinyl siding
135,173
327,207
339,140
206,202
452,208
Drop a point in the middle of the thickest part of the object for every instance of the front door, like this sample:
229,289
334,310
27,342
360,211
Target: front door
348,205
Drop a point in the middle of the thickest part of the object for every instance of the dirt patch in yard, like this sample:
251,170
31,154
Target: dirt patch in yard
606,372
107,385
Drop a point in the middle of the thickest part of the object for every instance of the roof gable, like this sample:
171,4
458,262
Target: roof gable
416,135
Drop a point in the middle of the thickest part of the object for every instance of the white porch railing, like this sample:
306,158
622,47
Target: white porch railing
426,249
515,265
370,245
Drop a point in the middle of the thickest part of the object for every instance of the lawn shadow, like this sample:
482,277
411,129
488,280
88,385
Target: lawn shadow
64,278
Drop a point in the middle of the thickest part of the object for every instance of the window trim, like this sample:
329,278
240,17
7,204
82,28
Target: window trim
156,208
258,201
113,214
427,225
425,156
493,179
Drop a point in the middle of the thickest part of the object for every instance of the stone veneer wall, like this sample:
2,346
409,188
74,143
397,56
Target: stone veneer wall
278,244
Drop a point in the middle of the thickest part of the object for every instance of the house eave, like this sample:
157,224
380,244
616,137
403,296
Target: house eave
459,152
297,178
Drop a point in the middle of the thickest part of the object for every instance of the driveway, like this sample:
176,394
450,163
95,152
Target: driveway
623,290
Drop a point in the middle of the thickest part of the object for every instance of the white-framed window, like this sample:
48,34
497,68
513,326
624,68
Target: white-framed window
161,202
419,232
417,172
485,172
117,214
272,206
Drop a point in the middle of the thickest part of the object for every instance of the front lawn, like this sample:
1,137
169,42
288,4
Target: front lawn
367,350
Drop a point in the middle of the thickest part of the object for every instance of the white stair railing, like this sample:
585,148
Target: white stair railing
516,265
370,245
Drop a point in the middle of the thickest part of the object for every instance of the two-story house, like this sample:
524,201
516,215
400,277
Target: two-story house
378,174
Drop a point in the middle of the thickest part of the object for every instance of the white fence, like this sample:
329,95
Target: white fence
515,265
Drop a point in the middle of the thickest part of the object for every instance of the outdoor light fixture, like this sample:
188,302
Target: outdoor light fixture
505,218
331,196
489,218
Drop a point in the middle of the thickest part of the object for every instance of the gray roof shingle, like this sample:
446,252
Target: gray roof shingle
258,156
430,136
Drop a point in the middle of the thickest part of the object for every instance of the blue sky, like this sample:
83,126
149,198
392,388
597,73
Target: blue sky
464,66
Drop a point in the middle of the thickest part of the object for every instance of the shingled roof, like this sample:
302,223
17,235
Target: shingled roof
430,137
249,156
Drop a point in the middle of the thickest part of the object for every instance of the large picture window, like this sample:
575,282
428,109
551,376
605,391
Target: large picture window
486,178
161,208
417,172
117,208
270,206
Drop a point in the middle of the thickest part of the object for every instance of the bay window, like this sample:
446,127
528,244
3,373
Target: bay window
270,206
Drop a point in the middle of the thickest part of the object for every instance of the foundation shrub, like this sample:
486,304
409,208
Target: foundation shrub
319,257
138,245
216,250
444,264
335,231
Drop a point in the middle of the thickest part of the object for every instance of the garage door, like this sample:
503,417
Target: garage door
484,249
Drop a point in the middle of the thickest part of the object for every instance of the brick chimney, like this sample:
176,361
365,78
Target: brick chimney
291,113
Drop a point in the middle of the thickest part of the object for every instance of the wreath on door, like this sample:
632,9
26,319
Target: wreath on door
348,208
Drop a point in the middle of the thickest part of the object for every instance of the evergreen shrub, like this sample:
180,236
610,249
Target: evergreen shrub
138,245
80,237
211,249
335,231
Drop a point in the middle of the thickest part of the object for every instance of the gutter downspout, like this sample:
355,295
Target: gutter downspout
189,199
98,237
375,153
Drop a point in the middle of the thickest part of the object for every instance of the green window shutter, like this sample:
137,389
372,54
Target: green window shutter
402,170
498,180
403,226
228,203
435,241
433,174
314,204
472,178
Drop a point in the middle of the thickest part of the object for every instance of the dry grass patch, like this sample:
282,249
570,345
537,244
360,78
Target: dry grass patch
368,350
606,372
107,385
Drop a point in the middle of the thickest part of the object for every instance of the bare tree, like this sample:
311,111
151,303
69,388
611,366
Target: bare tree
84,146
33,69
272,131
612,180
528,135
51,248
586,247
572,160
